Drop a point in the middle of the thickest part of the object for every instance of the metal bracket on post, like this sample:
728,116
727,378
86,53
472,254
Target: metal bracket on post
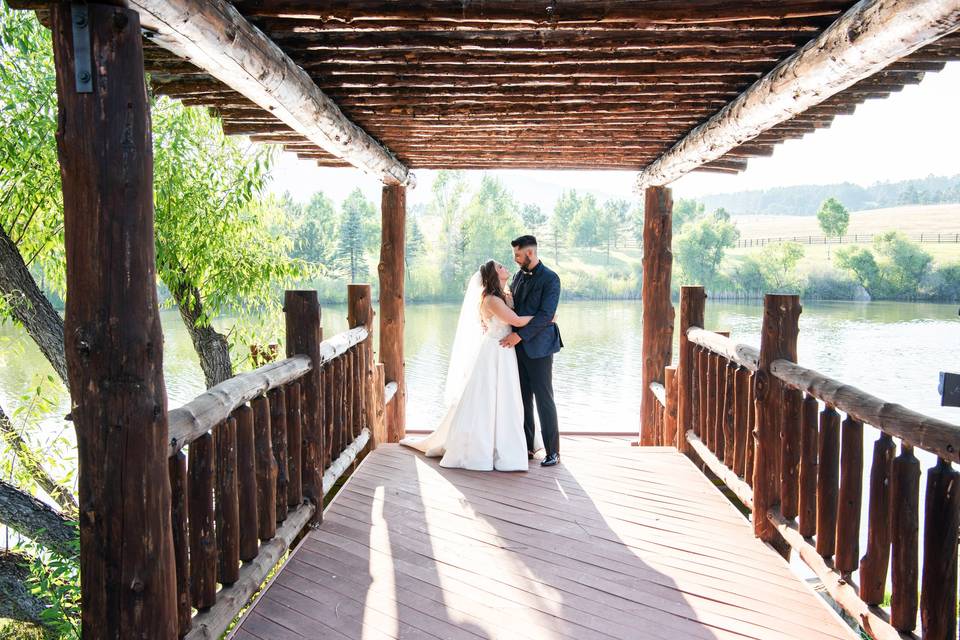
82,57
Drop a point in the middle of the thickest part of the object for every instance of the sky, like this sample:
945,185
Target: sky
910,134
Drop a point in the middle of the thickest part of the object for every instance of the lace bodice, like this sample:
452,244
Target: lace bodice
497,329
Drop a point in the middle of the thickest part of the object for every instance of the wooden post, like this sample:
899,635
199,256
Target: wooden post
201,468
873,565
228,503
278,443
778,340
113,340
247,483
360,313
391,270
904,535
304,335
670,433
177,466
266,469
657,310
807,504
938,593
850,500
692,301
379,430
294,444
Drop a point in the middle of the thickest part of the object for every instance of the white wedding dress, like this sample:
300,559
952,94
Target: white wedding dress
483,427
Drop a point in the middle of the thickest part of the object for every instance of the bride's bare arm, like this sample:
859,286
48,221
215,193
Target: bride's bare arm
499,308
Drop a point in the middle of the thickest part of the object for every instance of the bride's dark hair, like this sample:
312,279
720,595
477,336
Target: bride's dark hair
490,280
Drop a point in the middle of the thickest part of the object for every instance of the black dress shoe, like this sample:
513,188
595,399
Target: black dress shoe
550,460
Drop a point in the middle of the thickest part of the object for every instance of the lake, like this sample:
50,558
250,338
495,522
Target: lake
894,350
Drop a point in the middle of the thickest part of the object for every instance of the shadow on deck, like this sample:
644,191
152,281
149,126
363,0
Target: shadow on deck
617,542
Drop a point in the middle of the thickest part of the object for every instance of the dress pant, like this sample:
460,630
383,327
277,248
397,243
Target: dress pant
536,381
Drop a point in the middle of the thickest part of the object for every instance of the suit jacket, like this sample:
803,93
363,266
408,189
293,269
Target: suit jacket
537,294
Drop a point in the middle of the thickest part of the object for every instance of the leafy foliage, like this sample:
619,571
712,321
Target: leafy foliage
701,246
894,268
55,578
833,217
30,195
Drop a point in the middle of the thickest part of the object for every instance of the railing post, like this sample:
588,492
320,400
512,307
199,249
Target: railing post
304,335
113,339
778,340
391,271
360,313
692,302
657,310
671,434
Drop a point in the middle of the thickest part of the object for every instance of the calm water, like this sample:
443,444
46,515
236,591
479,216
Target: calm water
893,350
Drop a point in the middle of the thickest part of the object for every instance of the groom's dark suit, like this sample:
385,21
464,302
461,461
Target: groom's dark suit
537,293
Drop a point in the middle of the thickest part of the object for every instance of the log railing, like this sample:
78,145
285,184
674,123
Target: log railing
788,442
263,450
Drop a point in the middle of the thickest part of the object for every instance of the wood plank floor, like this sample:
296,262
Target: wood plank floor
616,542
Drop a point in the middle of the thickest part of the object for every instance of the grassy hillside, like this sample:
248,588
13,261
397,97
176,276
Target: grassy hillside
912,219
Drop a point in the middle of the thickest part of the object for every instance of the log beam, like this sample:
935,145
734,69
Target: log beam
657,310
870,36
391,271
114,343
216,38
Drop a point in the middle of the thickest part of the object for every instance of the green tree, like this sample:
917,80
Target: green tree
446,205
701,247
684,211
532,217
863,265
833,218
564,210
315,228
778,266
904,264
491,222
359,233
614,214
585,225
214,249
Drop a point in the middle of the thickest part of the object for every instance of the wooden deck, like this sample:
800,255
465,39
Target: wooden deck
617,542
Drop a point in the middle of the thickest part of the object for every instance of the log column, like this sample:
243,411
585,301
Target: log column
113,340
778,340
391,270
657,310
692,301
304,335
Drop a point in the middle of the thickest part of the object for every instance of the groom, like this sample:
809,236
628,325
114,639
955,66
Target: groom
536,292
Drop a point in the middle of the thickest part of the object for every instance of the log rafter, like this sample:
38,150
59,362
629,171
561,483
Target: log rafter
502,83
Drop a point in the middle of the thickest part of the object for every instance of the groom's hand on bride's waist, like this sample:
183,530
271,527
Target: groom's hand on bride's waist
510,341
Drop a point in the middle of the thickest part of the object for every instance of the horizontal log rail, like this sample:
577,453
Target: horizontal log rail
389,391
659,393
789,443
930,434
212,407
743,354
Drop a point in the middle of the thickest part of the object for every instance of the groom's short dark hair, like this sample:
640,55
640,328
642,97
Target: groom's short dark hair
523,242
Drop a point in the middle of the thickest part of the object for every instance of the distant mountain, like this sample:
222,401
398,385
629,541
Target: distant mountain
806,199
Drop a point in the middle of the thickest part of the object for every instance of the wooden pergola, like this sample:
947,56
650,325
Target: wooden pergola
662,87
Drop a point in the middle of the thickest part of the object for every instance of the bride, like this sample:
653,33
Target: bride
483,427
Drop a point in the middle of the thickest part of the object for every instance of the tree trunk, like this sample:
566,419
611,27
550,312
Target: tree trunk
29,306
210,345
35,520
16,601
